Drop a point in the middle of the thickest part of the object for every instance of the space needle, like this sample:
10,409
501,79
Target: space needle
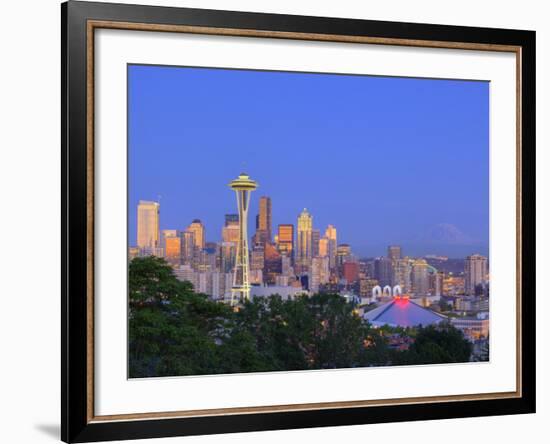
240,290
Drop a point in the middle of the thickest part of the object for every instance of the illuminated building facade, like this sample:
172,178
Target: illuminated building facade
187,247
230,233
475,272
304,250
343,254
323,247
401,274
264,219
231,219
315,239
285,239
148,216
383,270
332,243
420,278
366,286
394,252
319,273
272,263
197,228
350,271
172,250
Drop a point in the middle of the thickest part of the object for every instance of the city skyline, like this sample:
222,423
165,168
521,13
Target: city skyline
444,215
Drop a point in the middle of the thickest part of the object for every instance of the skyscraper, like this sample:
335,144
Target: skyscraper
164,234
187,247
330,234
264,218
231,219
323,247
242,186
230,233
475,272
343,254
402,274
383,270
436,282
394,252
285,239
257,257
272,263
172,250
197,228
227,256
420,278
148,225
286,265
351,272
319,273
315,238
304,251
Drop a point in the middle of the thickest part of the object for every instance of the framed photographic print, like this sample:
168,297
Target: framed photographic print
275,221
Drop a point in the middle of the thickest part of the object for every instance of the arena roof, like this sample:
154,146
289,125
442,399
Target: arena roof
402,312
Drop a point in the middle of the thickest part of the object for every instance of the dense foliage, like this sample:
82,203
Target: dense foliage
174,331
436,345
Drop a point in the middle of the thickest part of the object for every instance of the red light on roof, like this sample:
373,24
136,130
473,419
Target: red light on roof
401,301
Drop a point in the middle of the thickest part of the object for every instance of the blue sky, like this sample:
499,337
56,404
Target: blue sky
384,159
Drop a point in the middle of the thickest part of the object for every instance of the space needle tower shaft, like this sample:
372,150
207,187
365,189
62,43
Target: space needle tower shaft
240,290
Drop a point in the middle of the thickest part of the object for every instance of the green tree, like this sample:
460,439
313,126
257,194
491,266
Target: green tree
436,345
172,330
321,331
175,331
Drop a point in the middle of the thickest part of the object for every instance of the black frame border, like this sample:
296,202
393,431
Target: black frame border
75,426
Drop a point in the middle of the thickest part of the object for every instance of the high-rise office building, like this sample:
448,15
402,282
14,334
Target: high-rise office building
164,234
272,264
436,282
285,239
394,252
187,247
230,233
420,279
350,272
231,219
172,250
286,265
315,239
227,256
402,274
383,270
257,257
319,273
303,254
475,272
330,234
197,228
323,247
264,217
343,254
207,259
148,215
